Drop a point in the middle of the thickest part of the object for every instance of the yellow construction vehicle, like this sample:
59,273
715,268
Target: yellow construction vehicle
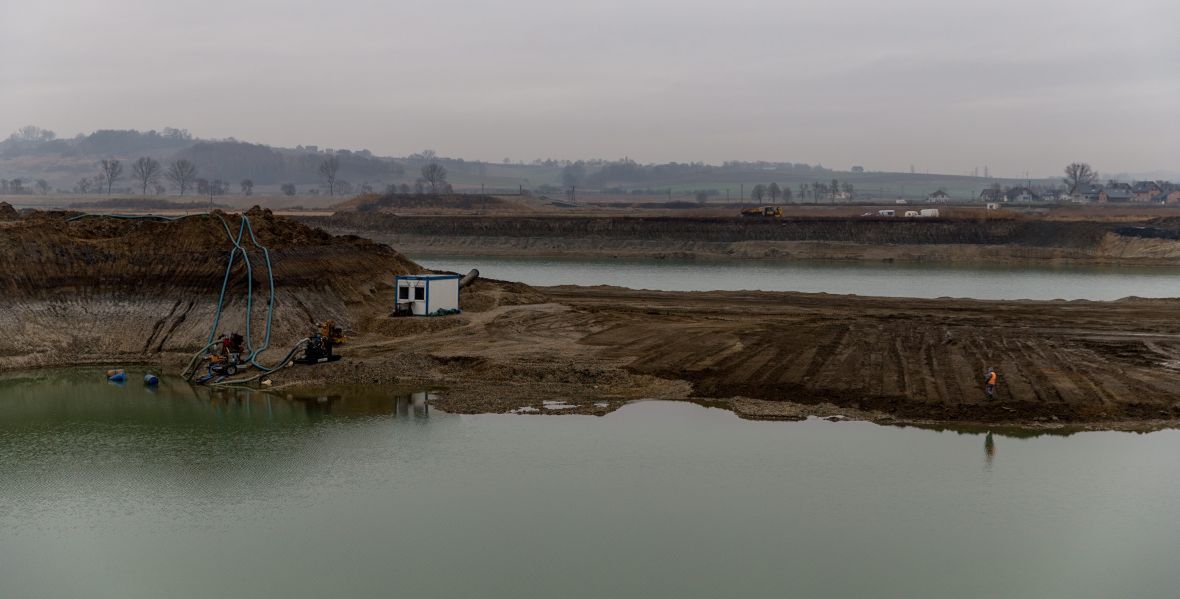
771,211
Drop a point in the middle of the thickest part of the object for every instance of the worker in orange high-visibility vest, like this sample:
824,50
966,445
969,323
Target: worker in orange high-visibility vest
989,383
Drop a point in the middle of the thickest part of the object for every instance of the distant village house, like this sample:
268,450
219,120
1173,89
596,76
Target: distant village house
1142,192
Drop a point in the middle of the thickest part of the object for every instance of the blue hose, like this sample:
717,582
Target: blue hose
252,355
270,309
243,228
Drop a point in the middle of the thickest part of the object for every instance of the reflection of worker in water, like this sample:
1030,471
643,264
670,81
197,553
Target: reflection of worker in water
989,448
989,383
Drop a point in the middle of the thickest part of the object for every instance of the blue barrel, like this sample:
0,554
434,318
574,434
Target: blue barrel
151,380
118,377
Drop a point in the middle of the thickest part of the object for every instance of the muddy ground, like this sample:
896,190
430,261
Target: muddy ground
788,355
118,293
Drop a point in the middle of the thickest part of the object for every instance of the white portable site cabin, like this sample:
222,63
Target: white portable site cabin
426,295
886,213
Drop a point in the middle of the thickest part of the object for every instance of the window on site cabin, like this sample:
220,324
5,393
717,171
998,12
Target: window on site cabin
403,293
419,293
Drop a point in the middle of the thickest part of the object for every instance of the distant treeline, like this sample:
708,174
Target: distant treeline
233,161
35,141
626,172
229,159
264,165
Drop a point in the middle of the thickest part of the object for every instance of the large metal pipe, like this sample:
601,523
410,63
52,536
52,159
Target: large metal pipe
469,278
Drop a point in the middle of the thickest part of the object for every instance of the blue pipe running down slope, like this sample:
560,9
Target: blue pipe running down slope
244,227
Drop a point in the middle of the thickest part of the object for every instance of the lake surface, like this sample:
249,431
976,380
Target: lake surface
112,491
881,279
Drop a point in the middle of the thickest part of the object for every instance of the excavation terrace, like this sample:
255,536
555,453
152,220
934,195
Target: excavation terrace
118,292
969,235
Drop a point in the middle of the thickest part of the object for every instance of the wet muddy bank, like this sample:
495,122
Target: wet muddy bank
1094,365
1103,365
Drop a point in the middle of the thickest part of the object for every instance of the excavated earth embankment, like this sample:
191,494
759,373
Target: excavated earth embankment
985,240
98,290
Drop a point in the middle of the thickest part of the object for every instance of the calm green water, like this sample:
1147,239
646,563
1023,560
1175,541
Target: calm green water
118,492
878,278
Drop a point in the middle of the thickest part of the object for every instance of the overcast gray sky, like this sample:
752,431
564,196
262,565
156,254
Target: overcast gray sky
945,85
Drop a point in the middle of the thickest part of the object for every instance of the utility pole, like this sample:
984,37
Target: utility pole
743,194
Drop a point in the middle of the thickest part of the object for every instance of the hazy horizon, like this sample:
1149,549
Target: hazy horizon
943,87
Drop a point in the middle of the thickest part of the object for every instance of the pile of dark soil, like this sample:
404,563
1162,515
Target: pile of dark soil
103,290
46,252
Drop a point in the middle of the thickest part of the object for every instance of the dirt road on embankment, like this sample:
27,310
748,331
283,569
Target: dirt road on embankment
118,293
1145,242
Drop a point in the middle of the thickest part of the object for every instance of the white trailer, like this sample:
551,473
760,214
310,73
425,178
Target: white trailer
886,213
929,213
426,295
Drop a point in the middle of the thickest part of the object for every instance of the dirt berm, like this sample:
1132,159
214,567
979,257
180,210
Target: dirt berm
101,290
984,240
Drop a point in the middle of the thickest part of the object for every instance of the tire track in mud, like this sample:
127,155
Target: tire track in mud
909,358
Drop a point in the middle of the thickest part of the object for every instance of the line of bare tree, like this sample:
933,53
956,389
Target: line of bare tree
17,186
434,176
146,172
183,176
816,191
